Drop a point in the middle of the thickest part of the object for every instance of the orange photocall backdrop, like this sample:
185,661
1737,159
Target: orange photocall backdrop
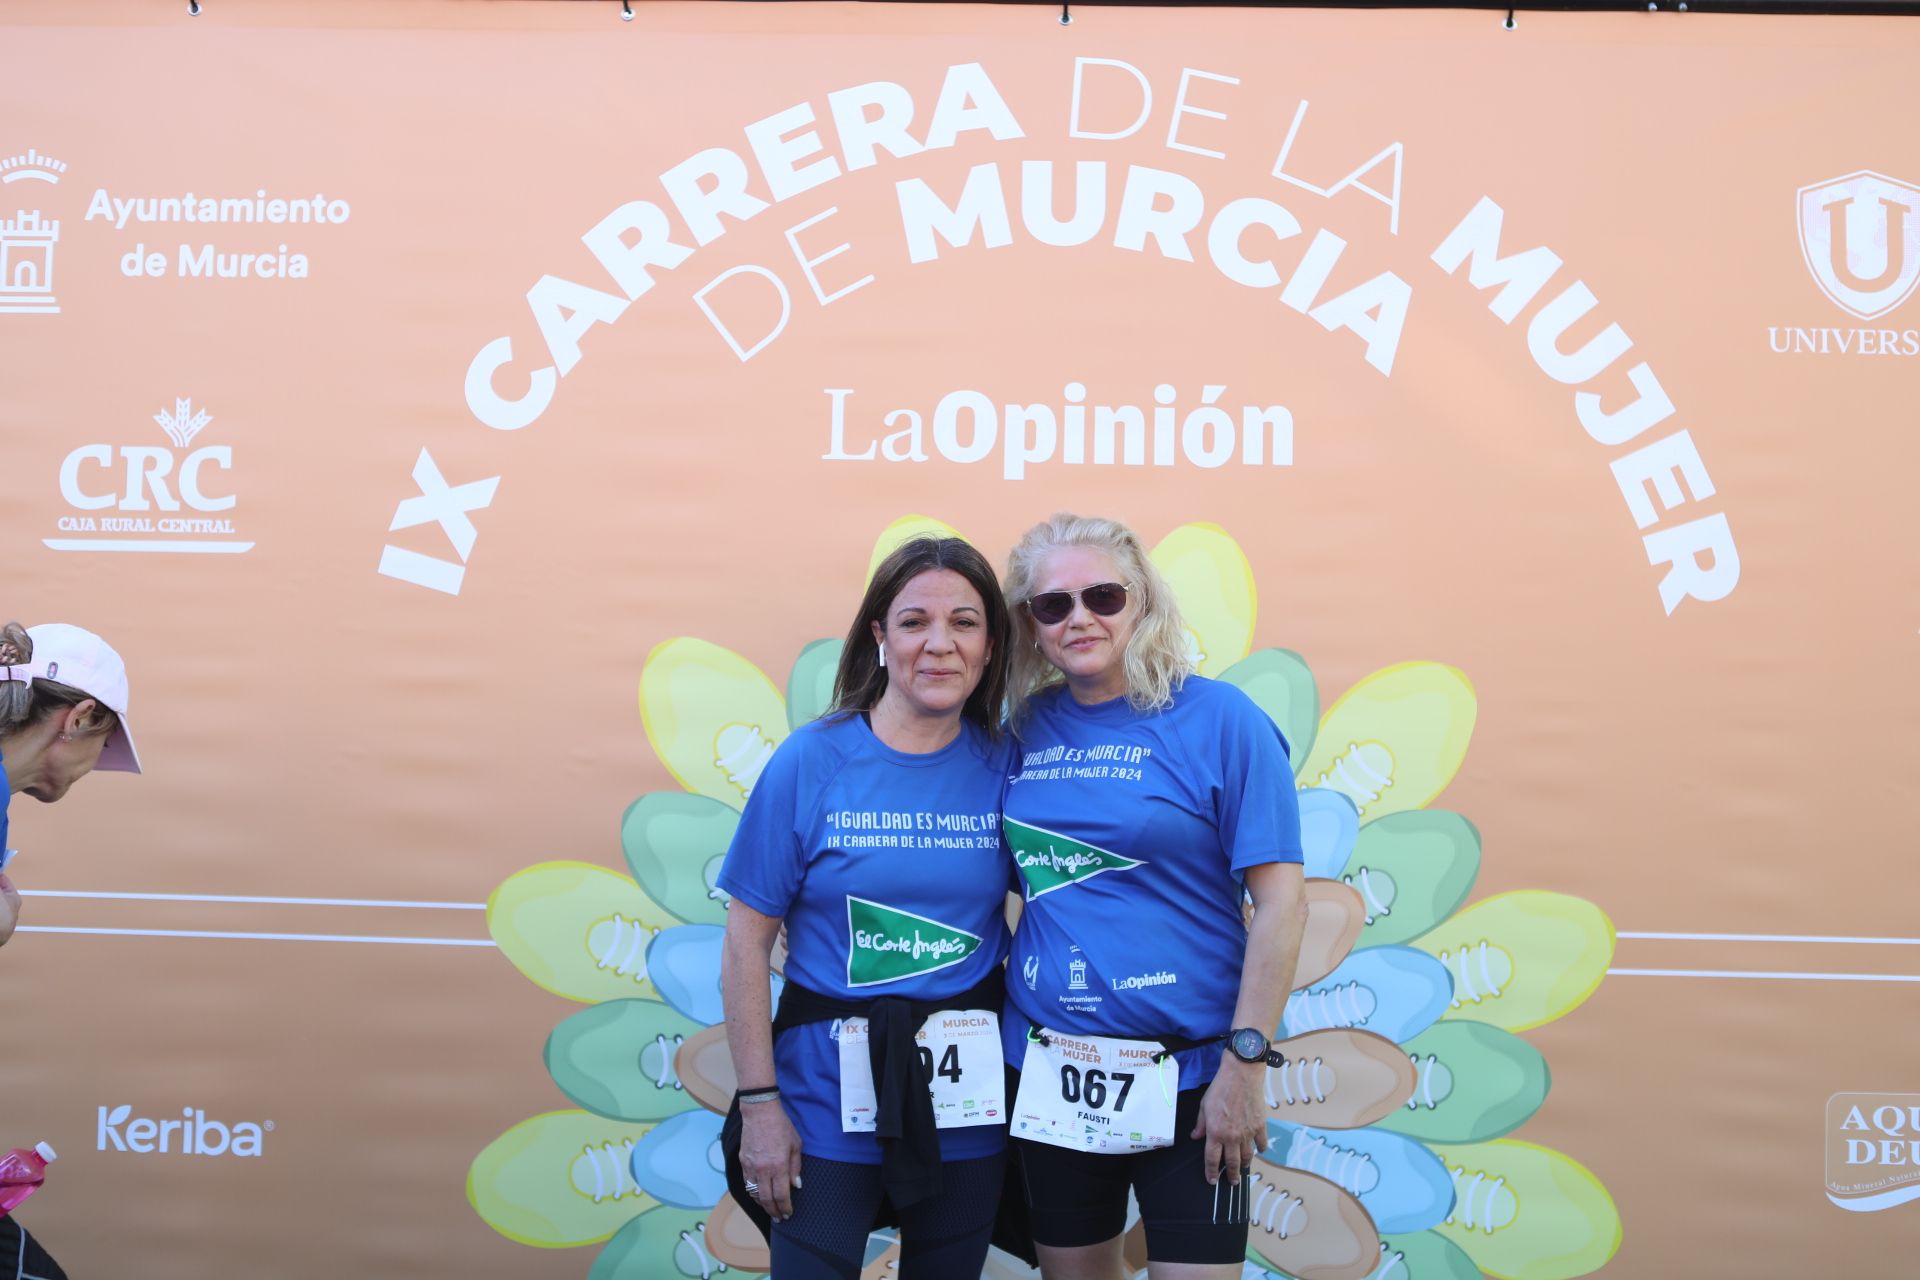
463,416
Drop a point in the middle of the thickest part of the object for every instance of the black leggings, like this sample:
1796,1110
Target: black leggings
944,1238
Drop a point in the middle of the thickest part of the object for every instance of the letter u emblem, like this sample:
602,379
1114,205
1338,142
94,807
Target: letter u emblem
1894,224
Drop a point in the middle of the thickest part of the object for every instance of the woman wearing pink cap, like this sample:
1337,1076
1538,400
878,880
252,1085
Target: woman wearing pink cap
63,714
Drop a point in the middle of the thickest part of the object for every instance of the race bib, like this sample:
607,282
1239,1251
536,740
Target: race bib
1090,1093
959,1049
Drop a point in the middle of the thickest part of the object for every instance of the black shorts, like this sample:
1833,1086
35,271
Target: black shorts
1079,1198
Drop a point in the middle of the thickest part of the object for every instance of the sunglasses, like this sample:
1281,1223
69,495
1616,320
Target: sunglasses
1103,598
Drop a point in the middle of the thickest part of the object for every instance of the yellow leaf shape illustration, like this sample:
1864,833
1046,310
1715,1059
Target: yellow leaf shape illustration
1394,741
1213,583
713,717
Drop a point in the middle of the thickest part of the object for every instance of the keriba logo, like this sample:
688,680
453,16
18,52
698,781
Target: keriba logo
193,1134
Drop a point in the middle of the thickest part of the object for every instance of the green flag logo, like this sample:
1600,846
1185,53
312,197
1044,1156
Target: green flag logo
886,945
1049,860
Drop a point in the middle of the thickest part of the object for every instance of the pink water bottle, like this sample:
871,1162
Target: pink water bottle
22,1172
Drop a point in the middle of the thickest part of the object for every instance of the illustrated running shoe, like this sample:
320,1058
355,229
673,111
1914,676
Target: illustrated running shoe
1424,1255
684,963
1334,919
1396,992
1282,685
1523,958
1526,1212
1476,1082
1412,870
1421,1256
578,930
674,843
558,1180
883,1257
1339,1079
1403,1186
1394,741
1305,1226
1212,580
810,683
733,1239
618,1059
665,1243
712,716
705,1066
679,1161
1329,826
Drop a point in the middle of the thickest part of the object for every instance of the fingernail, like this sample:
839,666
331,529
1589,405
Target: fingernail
796,1179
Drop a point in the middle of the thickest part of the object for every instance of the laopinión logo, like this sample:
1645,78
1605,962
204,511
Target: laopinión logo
1860,238
1162,978
28,238
1873,1150
149,497
193,1134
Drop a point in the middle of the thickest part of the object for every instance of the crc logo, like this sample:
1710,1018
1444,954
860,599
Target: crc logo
1861,238
1873,1150
190,1135
179,492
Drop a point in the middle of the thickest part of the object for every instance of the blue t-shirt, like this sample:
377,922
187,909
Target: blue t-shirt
6,795
1132,832
889,870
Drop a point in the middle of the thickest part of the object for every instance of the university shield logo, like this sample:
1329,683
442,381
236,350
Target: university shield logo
1861,238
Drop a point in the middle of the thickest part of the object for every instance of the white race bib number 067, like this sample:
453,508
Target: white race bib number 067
959,1052
1091,1093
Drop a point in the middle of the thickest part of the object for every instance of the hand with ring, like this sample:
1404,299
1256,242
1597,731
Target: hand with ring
770,1157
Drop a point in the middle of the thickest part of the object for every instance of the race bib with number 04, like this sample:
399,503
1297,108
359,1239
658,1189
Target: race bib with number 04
959,1050
1091,1093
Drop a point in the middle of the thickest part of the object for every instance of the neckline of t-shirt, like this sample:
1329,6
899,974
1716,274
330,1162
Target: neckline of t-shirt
1116,708
910,759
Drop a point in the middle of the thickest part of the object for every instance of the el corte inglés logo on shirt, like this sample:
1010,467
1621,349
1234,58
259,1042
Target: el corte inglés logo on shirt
886,945
1049,860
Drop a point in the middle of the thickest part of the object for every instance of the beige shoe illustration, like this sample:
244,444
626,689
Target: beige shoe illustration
1306,1226
705,1068
883,1258
733,1239
1335,915
1339,1079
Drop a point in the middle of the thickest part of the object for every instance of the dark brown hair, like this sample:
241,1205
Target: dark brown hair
861,679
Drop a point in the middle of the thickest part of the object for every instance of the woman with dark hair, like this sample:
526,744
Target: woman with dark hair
874,835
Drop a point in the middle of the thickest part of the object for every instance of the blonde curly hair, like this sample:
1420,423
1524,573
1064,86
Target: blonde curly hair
1158,658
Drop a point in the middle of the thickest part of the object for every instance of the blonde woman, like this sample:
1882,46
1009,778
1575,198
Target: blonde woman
1148,800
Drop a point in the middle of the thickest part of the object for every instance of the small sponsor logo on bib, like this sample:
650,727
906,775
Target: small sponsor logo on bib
885,944
1049,860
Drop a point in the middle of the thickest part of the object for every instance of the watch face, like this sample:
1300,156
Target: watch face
1248,1044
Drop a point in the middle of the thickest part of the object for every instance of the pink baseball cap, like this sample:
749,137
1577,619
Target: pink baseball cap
81,660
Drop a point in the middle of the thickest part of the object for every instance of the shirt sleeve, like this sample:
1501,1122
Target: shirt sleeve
767,861
1259,811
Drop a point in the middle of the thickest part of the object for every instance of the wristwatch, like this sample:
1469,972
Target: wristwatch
1250,1044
